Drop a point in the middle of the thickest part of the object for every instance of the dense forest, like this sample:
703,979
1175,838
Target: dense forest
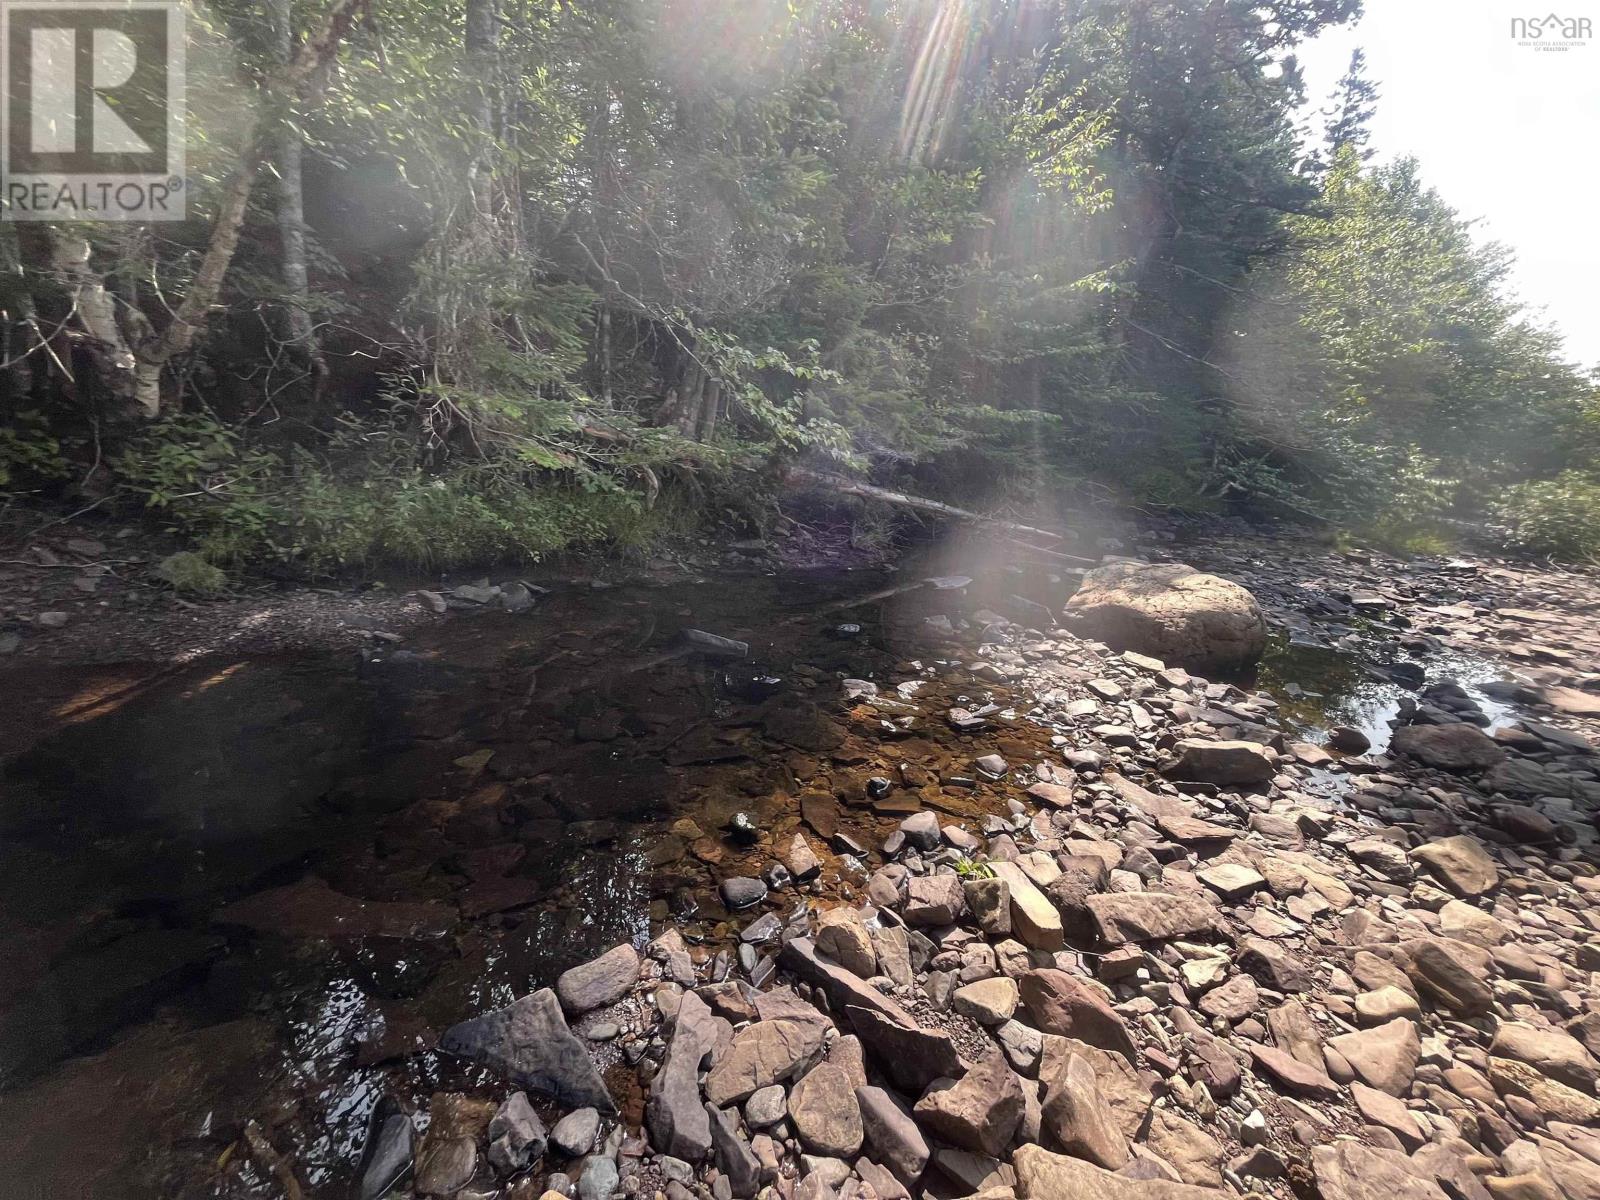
484,279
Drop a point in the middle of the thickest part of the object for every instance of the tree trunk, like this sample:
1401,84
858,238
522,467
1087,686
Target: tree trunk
709,411
481,35
17,352
95,312
295,82
289,150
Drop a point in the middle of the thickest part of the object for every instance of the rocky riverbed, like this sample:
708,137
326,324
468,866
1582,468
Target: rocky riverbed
933,896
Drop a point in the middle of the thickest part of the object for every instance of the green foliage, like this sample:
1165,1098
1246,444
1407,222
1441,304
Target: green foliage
30,455
199,476
585,270
1555,518
191,574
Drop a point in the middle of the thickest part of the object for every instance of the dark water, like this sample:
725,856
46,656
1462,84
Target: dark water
214,882
245,890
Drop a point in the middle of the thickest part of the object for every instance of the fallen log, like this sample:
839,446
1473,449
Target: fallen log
851,487
1011,531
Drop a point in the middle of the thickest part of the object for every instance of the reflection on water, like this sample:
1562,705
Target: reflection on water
1318,688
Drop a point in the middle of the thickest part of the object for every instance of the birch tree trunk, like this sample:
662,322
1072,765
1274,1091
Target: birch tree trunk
294,83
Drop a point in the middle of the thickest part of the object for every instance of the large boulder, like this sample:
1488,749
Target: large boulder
1064,1004
1351,1171
1172,612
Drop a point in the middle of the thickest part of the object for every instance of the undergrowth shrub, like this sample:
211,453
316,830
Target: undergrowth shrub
242,504
1554,518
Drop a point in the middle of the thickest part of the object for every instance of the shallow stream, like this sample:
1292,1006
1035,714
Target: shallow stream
181,850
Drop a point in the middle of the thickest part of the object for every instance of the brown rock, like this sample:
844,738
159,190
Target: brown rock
1554,1054
934,900
1461,864
1290,1074
1192,1152
1384,1057
1077,1119
1294,1031
762,1054
1042,1175
1227,763
1351,1171
599,982
912,1057
1389,1111
825,1113
1172,612
1122,917
1442,970
842,935
1233,1001
980,1112
1274,966
1126,1097
1458,747
1556,1101
1064,1004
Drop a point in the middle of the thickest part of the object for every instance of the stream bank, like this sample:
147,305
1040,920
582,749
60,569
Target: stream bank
261,890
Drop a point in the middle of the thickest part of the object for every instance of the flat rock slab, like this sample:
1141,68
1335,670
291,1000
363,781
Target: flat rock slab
529,1043
312,909
1232,881
1461,864
1122,917
763,1054
1042,1175
1223,762
1385,1057
1458,747
1290,1074
1064,1004
913,1058
1352,1171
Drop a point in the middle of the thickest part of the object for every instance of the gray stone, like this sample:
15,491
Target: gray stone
516,1135
735,1159
529,1043
574,1135
673,1114
892,1134
602,981
742,892
599,1180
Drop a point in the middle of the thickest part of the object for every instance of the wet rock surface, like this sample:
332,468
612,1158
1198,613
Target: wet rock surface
1027,916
